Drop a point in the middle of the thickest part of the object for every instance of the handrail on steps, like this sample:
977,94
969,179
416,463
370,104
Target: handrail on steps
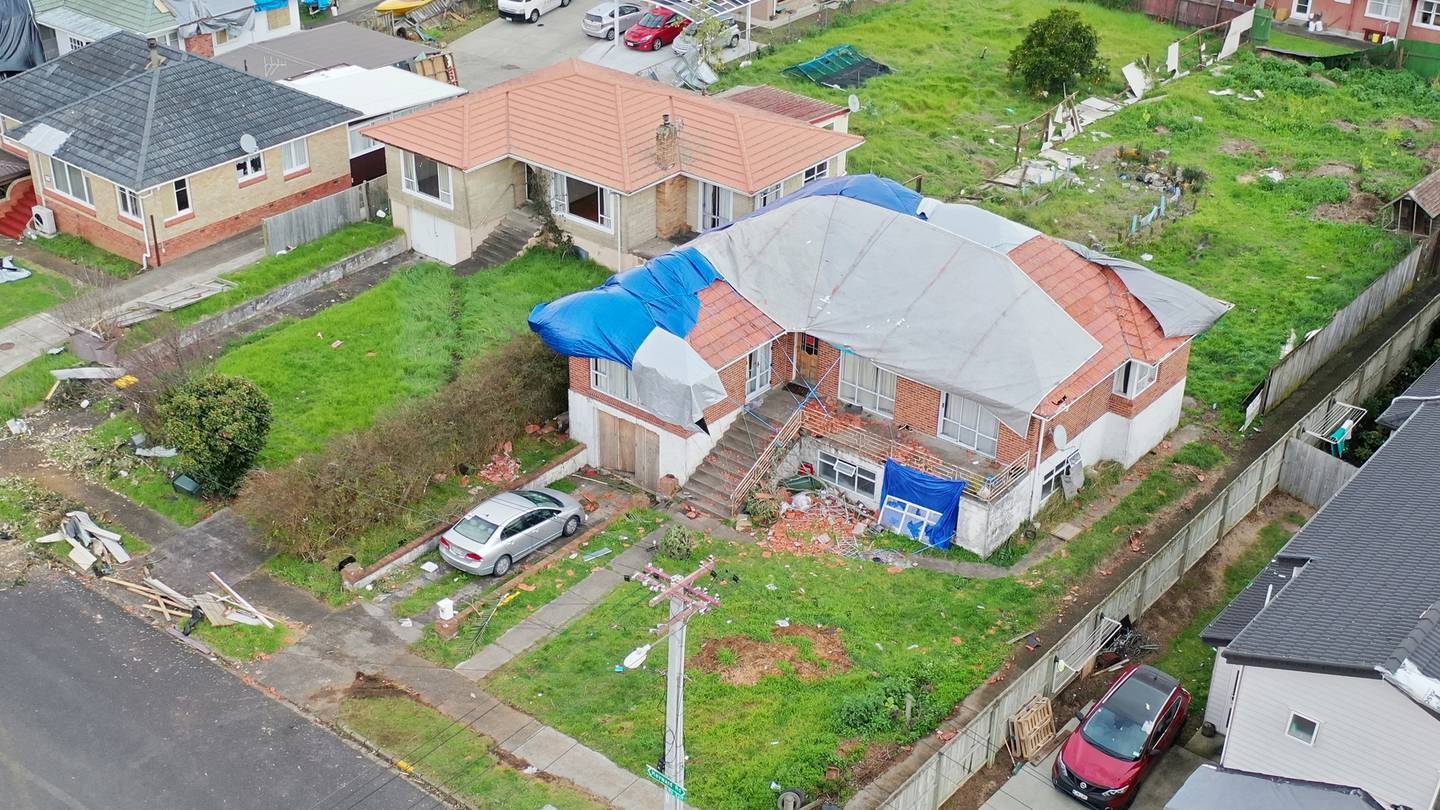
769,459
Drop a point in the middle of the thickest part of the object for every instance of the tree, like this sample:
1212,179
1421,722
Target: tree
218,423
1060,51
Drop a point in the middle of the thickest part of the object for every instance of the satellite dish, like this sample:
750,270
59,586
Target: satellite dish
248,144
1060,436
854,103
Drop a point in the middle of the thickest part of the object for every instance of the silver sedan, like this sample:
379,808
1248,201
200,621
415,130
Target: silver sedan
503,530
600,20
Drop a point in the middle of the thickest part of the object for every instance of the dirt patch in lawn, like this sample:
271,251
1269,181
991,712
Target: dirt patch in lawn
742,661
1361,207
1332,169
1239,146
374,686
1410,122
1345,126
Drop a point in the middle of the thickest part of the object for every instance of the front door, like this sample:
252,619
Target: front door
717,206
432,236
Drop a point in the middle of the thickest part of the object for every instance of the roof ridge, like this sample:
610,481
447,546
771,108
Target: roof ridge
144,151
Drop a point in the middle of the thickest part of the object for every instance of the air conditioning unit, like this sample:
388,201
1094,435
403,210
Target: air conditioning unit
42,220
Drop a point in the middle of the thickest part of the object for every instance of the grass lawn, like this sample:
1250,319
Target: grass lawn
145,481
452,756
41,291
474,15
267,274
28,511
1286,41
398,341
934,115
770,703
244,642
81,252
1190,659
28,384
548,585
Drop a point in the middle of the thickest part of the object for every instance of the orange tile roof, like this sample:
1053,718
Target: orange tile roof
1096,298
730,327
783,102
599,124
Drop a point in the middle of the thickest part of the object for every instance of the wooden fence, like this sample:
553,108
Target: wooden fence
313,220
982,735
1194,13
1313,475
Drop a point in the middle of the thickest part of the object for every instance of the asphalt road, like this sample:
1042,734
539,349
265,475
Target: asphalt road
501,49
100,710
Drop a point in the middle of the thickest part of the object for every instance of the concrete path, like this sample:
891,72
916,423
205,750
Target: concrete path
1030,788
501,49
37,334
560,613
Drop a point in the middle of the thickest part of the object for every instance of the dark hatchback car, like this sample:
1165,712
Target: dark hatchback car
1121,738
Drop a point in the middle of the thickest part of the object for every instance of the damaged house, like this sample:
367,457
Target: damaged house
891,343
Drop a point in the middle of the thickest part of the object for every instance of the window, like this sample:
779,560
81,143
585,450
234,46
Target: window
819,171
222,36
182,196
757,372
843,474
716,206
424,177
865,384
296,156
1427,13
277,18
129,203
580,200
1302,729
910,519
810,344
610,377
967,422
69,181
770,194
1051,482
361,144
1383,9
1134,377
250,166
76,43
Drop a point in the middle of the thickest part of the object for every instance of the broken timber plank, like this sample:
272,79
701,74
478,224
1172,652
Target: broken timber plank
214,611
241,617
175,596
240,600
190,642
88,373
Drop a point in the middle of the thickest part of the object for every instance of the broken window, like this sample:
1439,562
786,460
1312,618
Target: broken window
1133,378
424,177
843,474
757,372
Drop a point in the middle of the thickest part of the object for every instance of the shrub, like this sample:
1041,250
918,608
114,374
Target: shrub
1060,52
218,423
678,543
762,510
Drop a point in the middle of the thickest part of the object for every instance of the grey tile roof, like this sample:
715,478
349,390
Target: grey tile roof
1246,605
153,126
1212,786
323,47
1367,595
1426,385
76,75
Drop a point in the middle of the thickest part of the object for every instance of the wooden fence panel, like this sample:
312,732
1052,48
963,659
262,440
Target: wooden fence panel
1313,475
313,220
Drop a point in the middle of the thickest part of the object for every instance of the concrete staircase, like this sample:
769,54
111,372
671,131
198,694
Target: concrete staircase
15,210
714,482
504,243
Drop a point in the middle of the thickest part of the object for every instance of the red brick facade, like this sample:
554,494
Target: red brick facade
201,45
79,219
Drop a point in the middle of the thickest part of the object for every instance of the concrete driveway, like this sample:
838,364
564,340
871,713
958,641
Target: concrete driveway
1030,789
104,711
502,49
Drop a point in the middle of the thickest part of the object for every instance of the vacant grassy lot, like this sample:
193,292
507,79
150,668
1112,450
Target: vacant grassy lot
81,252
335,371
936,114
41,291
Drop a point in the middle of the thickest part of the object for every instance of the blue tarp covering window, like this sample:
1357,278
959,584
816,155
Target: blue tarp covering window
271,5
920,505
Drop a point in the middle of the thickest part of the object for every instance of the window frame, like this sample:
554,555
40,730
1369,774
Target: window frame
88,200
1050,482
1128,385
819,171
604,378
288,152
175,194
717,206
444,180
353,132
123,196
1290,727
560,202
244,173
1434,14
982,413
755,383
854,477
1394,15
923,514
853,397
769,195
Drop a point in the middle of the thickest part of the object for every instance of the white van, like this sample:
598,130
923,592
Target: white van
528,10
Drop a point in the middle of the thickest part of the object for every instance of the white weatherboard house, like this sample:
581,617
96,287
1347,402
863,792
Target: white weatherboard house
1329,664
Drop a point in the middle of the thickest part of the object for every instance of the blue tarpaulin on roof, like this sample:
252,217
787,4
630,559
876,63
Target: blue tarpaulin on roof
881,191
938,499
270,5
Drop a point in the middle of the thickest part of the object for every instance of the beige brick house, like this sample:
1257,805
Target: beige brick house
628,166
153,154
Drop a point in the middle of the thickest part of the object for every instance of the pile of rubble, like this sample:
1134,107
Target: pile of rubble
818,523
93,548
219,609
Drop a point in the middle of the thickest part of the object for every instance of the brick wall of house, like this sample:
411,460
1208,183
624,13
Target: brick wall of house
1172,371
201,45
73,218
670,207
190,241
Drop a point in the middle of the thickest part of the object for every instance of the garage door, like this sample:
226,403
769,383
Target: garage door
625,447
432,236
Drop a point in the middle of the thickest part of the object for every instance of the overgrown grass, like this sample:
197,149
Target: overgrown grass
1286,41
1190,659
29,511
145,481
27,385
245,642
1202,454
83,253
404,728
43,290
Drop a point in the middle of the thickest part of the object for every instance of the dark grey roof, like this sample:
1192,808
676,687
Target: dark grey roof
1371,560
185,116
1426,385
76,75
1246,605
1211,787
323,47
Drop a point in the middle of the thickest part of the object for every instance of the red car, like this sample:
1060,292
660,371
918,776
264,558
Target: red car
1119,741
658,28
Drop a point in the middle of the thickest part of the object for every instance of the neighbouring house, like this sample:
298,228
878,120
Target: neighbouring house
1415,211
628,166
791,105
203,27
1425,388
152,153
1329,662
378,94
866,332
327,46
1211,787
1370,20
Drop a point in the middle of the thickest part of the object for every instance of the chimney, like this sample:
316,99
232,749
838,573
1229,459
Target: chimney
156,60
667,144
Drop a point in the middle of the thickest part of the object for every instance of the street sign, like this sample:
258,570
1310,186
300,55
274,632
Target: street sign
669,784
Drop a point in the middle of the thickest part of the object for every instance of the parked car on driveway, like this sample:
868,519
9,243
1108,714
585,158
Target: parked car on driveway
600,20
728,36
501,531
528,10
658,28
1121,738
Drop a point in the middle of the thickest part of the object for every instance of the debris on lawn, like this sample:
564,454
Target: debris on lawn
220,610
92,547
502,469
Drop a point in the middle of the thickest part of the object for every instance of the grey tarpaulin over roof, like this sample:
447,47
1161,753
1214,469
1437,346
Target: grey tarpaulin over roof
1211,787
924,302
207,16
1425,386
19,38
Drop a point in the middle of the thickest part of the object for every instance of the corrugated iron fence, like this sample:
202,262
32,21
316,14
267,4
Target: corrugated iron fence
983,736
313,220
